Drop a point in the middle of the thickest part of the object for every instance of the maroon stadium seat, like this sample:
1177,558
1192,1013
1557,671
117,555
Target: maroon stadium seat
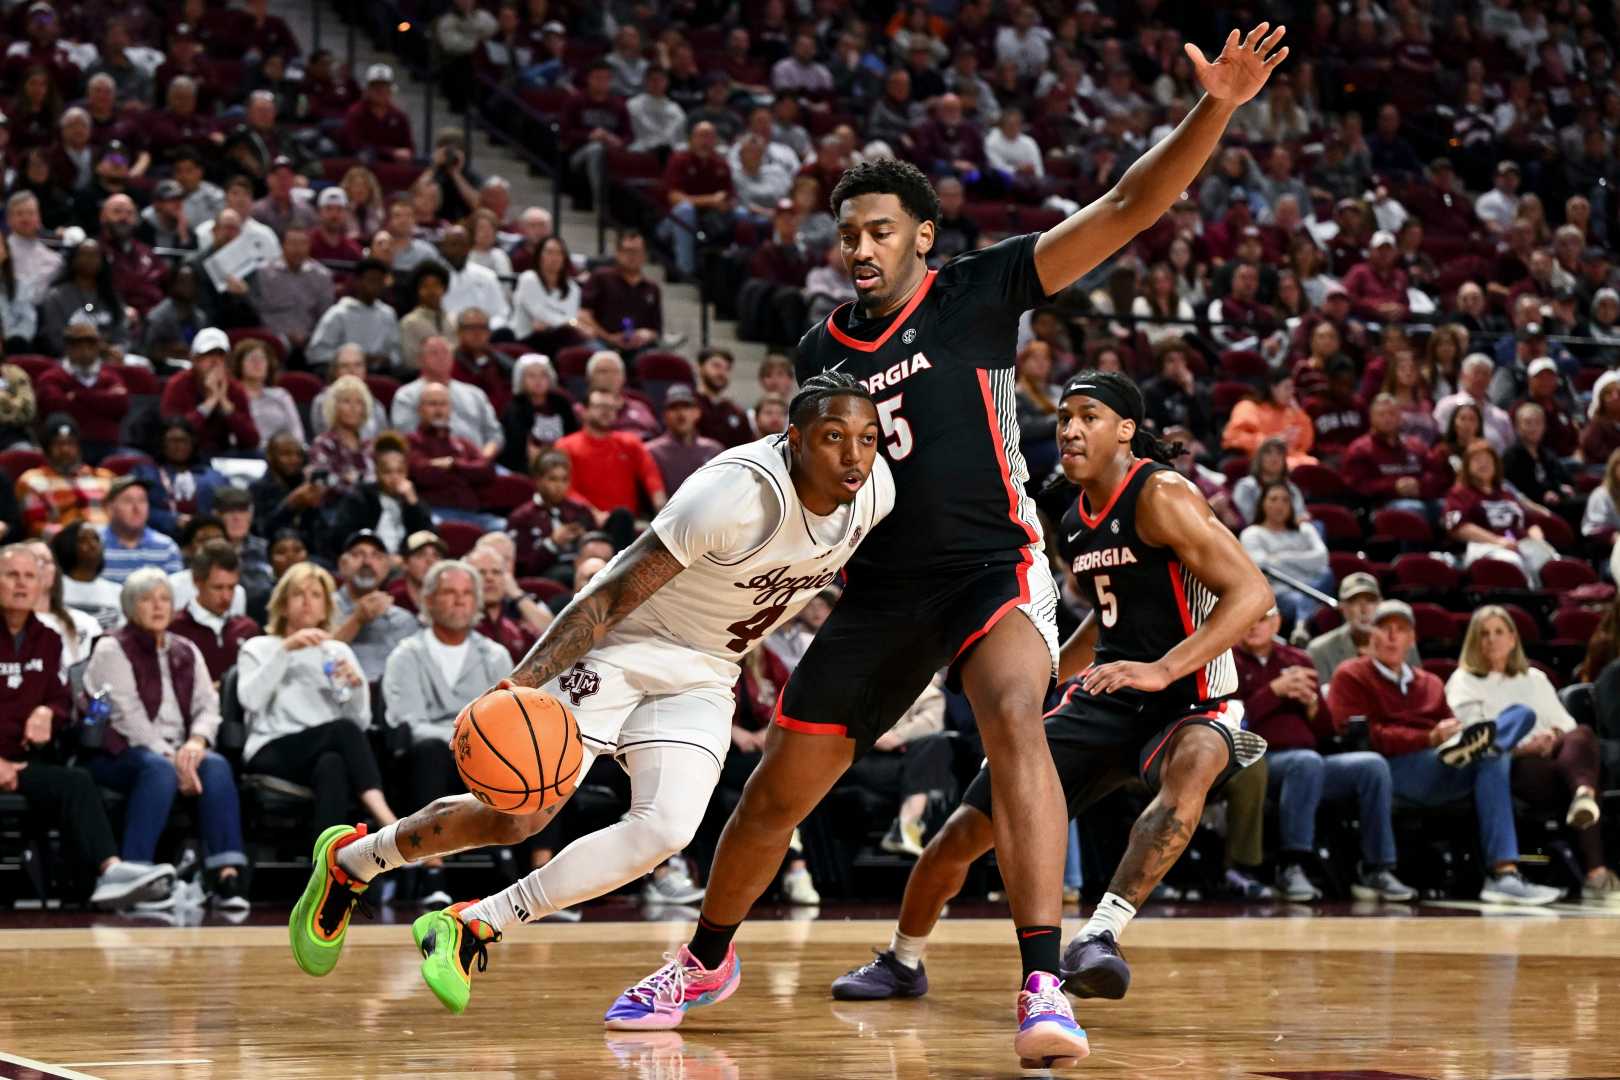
543,589
1401,526
1242,364
1561,575
1529,631
1488,574
1318,482
1575,625
1343,527
1440,667
1227,394
124,463
1435,624
1557,532
458,536
1424,575
383,389
33,364
303,386
506,492
1235,469
16,462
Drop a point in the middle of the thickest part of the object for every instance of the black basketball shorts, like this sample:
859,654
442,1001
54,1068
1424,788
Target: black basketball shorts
884,641
1101,743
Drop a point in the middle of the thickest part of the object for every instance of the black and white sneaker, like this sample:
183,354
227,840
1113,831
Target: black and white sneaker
228,896
125,884
1470,744
1095,968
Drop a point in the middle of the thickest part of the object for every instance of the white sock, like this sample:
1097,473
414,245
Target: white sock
908,950
372,854
522,901
1114,913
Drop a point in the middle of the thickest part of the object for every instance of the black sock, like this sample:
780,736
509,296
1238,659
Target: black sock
1038,947
710,942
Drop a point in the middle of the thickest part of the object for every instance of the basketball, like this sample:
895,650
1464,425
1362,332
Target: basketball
518,750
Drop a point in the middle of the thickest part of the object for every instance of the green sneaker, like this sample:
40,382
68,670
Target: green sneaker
320,919
449,949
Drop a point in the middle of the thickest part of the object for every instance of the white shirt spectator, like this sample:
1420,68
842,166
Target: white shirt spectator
34,265
534,307
655,122
1028,49
494,260
461,34
790,76
1497,208
477,286
1009,155
471,415
205,233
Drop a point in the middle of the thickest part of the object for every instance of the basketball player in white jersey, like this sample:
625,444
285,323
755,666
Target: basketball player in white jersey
646,656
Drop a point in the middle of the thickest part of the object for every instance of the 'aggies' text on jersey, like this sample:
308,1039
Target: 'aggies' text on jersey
1146,601
941,371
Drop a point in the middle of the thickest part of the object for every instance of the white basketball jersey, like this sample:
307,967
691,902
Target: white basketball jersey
754,557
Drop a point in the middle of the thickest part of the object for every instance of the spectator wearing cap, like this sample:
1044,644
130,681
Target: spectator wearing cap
417,555
128,540
1545,389
1377,287
1283,702
292,293
374,127
85,388
279,210
538,414
1499,206
449,471
65,489
471,415
1601,435
388,505
364,614
612,469
234,508
681,451
330,239
362,318
214,403
1390,469
546,530
33,711
1359,597
1473,387
1434,759
207,613
164,223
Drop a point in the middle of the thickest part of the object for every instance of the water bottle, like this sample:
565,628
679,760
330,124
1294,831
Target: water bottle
628,325
339,689
93,724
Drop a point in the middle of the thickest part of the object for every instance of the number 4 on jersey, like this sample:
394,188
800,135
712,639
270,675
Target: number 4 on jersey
749,630
895,428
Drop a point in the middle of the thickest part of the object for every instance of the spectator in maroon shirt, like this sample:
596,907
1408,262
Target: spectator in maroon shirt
619,306
1335,412
476,363
179,122
948,143
449,471
605,371
722,419
497,621
594,122
206,620
1545,388
418,552
215,404
1377,287
330,239
698,183
547,529
1442,205
681,450
1390,469
91,392
138,275
374,127
328,91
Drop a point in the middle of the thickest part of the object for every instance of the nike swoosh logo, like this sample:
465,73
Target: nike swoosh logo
1033,933
840,364
1075,536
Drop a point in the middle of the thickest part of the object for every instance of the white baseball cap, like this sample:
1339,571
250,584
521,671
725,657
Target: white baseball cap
379,73
1546,363
332,196
210,339
1382,237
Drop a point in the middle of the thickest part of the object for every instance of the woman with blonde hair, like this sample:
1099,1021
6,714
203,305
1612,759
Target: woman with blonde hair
77,629
1555,760
341,451
307,704
254,365
1481,512
368,212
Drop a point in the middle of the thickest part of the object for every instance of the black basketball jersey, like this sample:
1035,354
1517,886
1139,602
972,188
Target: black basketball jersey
941,371
1146,601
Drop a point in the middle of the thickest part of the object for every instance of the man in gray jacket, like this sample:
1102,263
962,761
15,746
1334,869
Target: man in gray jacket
431,677
1359,597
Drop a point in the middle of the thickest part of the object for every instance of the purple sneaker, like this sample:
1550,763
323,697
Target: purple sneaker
881,978
659,1002
1095,968
1048,1036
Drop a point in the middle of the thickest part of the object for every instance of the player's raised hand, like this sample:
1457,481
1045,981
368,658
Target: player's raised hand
1243,66
1125,674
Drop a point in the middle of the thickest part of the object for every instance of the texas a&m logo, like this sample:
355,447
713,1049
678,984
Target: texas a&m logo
775,588
580,683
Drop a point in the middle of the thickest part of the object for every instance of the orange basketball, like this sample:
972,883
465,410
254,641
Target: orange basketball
518,750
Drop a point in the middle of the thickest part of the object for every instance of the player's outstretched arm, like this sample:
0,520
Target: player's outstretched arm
1172,514
1066,252
645,567
1077,652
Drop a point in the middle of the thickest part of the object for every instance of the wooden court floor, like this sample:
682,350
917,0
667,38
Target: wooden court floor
1305,998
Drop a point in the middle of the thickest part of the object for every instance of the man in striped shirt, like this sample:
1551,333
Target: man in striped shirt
128,542
64,489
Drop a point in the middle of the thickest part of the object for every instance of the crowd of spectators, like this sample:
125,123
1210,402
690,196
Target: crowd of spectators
289,392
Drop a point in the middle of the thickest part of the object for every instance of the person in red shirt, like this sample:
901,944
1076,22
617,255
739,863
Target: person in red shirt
698,183
214,403
330,239
449,471
612,469
85,388
1434,759
138,275
1285,705
374,127
1377,287
1389,469
1480,512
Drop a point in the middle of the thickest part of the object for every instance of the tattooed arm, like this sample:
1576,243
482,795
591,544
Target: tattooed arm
645,567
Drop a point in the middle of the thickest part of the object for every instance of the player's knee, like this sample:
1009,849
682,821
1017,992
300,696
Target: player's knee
1196,760
661,836
965,836
1007,712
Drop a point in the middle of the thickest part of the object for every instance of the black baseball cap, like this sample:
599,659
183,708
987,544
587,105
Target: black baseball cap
364,536
231,497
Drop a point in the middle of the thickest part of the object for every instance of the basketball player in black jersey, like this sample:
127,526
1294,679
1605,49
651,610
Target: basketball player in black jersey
956,577
1172,591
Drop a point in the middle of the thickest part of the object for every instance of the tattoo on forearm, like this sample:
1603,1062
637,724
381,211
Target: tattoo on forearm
1157,840
645,568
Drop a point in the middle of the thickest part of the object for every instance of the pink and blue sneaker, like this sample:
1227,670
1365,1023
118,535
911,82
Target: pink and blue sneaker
1048,1036
659,1002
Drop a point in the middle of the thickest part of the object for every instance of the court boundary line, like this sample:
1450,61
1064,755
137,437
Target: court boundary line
54,1072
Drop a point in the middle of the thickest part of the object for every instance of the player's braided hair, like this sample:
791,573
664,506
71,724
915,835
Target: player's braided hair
888,176
807,403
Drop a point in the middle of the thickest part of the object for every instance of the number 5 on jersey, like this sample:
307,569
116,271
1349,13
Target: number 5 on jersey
1107,602
895,428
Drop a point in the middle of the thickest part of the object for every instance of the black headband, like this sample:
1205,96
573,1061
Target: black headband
1104,390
